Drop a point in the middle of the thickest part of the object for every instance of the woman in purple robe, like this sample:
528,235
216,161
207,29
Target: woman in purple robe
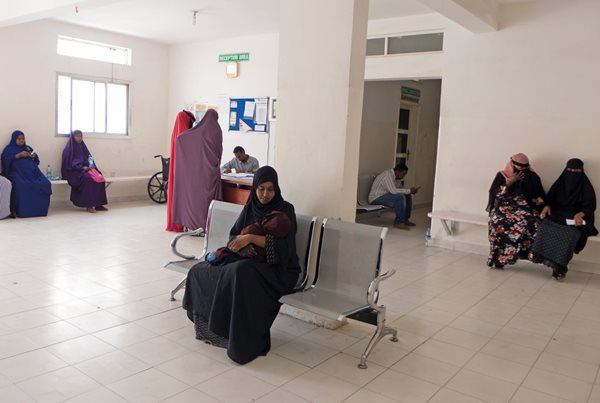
197,171
85,192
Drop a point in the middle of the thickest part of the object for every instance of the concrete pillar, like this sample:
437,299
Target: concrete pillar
322,48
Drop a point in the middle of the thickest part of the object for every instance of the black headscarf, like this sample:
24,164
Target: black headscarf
573,192
255,209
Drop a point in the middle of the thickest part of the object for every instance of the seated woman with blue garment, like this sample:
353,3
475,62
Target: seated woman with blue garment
568,220
31,190
87,184
233,297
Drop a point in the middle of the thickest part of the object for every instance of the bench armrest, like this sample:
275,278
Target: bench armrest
373,292
176,239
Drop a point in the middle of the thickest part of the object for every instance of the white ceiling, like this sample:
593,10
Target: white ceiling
171,21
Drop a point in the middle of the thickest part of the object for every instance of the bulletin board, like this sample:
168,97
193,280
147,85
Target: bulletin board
249,114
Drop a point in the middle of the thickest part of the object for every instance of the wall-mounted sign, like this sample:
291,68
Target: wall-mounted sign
410,94
234,57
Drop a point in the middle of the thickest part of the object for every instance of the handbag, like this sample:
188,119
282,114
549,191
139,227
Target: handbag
96,176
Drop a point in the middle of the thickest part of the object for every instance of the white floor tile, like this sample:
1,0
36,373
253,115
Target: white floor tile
481,386
148,386
396,385
445,352
100,395
345,367
80,349
29,365
112,367
317,386
446,395
498,368
364,395
57,386
157,350
191,396
193,368
235,385
125,335
525,395
558,385
305,352
425,368
96,321
275,369
14,394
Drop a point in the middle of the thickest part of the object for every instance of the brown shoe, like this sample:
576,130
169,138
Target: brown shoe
409,223
402,226
101,208
90,210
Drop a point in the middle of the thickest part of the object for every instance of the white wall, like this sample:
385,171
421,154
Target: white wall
378,133
532,87
28,99
197,76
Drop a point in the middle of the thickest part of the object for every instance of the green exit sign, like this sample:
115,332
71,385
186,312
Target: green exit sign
234,57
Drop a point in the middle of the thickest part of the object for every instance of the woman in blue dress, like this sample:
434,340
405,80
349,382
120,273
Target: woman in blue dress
31,189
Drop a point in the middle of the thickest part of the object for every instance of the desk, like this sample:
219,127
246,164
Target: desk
236,190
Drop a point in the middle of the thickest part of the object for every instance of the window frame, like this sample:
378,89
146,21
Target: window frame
401,34
128,51
94,80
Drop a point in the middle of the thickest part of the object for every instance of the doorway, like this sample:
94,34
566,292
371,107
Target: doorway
400,124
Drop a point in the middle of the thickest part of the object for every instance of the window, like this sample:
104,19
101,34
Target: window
394,45
415,43
376,47
93,50
93,106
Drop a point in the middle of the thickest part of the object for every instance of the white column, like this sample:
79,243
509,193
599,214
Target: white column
322,48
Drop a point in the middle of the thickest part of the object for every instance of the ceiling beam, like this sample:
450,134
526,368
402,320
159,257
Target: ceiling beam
477,16
13,12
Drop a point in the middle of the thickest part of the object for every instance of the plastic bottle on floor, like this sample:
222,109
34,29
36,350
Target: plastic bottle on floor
428,237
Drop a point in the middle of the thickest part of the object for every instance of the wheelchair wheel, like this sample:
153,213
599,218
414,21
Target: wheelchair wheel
157,188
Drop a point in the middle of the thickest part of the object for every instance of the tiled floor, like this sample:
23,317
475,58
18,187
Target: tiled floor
85,317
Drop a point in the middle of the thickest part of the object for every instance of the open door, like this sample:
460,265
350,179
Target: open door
406,139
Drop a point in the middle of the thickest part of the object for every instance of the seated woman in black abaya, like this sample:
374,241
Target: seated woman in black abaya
233,297
568,220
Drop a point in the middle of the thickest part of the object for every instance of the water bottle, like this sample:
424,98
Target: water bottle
49,172
428,237
91,162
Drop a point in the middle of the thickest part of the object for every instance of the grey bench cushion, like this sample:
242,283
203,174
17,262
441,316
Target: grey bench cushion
349,260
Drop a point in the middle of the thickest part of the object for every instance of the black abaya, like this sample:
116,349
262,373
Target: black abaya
239,298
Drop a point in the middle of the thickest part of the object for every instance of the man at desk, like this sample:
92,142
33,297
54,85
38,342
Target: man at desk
241,163
385,192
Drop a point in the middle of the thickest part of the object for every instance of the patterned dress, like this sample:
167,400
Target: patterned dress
512,226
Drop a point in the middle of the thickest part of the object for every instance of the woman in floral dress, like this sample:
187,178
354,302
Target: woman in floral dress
515,198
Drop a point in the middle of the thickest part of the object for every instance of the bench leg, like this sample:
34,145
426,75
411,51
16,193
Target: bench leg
179,287
381,331
448,228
